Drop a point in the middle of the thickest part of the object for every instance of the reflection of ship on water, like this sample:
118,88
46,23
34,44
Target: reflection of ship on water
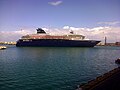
43,39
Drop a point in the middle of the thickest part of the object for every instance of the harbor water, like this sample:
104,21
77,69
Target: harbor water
53,68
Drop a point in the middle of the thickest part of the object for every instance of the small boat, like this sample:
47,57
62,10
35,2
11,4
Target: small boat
117,61
2,47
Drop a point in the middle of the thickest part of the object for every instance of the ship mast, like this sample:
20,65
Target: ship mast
71,32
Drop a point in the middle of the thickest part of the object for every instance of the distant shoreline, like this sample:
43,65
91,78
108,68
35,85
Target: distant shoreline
8,43
108,45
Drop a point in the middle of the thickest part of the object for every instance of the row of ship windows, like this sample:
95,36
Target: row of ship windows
55,38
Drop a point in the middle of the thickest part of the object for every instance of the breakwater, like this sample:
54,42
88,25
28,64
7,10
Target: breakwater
107,81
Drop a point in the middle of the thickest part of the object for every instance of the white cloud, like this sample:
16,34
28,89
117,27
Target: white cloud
66,27
55,3
14,35
109,23
96,33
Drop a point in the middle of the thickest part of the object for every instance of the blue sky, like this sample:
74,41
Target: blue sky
91,18
15,14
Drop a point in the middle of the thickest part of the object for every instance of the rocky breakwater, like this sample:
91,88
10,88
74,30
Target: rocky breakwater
107,81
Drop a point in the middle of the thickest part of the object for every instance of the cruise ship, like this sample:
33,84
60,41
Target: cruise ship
42,39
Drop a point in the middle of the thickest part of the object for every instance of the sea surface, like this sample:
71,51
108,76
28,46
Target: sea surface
53,68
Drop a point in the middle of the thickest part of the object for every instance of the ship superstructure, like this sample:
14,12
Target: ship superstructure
41,34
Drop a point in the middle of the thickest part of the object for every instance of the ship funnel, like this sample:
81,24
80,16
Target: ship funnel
40,31
71,32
